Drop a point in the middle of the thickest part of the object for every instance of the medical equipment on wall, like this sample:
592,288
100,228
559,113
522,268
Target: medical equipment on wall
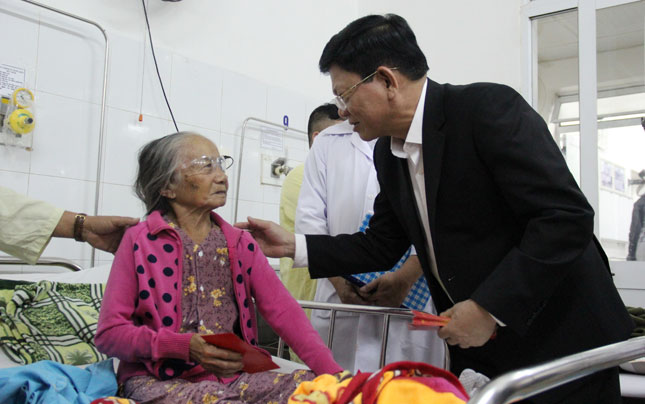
18,119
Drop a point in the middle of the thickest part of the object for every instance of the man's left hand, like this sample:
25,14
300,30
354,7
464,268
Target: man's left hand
470,325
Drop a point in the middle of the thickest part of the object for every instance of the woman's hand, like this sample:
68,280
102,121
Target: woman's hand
221,362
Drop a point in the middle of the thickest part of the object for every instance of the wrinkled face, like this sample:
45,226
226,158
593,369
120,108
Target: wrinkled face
367,104
202,183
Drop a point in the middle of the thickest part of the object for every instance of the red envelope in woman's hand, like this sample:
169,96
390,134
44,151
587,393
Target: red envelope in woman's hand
253,358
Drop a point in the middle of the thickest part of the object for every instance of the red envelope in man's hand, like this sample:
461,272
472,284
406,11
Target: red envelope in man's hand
253,358
426,320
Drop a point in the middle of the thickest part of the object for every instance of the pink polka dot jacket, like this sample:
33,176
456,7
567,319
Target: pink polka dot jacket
139,324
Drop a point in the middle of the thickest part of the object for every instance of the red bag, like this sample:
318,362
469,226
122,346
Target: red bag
405,382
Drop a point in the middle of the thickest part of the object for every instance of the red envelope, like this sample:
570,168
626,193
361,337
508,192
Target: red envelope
253,358
427,320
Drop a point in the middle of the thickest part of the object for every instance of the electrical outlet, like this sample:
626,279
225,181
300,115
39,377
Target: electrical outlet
266,171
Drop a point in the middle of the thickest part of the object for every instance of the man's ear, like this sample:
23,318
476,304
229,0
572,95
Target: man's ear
391,81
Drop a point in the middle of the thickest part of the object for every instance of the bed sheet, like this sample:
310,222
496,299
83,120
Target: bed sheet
100,274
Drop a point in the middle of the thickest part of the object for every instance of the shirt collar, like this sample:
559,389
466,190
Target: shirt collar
414,135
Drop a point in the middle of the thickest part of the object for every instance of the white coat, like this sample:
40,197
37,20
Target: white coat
338,191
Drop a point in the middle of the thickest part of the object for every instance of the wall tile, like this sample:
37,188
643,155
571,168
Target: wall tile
69,194
20,22
271,194
248,208
124,82
196,93
120,200
153,100
230,144
250,176
18,182
242,97
66,139
71,58
125,136
281,102
15,159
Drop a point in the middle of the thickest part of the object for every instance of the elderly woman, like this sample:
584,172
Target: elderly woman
185,272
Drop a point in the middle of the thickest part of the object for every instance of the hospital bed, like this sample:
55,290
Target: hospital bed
506,388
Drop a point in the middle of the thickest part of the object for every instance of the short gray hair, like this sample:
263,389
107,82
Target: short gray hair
158,164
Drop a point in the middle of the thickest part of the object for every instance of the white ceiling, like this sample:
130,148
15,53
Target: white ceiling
617,27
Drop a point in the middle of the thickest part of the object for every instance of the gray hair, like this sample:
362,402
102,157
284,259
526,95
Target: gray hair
158,164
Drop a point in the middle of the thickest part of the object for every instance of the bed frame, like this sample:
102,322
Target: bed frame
507,388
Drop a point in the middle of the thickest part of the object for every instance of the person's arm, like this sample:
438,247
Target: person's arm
116,333
635,230
26,224
102,232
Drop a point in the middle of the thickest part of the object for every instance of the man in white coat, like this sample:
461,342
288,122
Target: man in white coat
337,196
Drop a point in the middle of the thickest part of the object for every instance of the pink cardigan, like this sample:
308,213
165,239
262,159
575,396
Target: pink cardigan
141,310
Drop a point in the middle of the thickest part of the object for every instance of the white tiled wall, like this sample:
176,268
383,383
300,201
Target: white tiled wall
64,64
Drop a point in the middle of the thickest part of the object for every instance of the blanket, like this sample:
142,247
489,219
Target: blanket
48,382
50,321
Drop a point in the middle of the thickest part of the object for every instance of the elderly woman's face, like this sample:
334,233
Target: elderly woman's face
202,183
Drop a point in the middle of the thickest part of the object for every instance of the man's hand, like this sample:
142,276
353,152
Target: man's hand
221,362
102,232
346,291
470,325
105,232
274,241
388,290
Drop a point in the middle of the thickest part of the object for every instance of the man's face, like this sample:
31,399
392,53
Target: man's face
368,108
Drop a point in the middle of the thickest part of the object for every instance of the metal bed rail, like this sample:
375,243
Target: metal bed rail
529,381
386,312
52,261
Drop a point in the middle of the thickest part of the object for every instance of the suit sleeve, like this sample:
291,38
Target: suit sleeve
530,172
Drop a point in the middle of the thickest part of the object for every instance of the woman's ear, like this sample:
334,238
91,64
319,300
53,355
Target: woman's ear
168,193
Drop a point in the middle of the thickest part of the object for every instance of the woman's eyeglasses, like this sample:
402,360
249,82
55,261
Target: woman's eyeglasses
207,165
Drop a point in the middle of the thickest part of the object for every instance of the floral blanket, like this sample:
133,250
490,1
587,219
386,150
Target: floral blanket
50,321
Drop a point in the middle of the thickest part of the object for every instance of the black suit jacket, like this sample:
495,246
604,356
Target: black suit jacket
510,229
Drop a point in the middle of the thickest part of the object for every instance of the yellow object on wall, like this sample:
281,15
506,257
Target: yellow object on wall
21,121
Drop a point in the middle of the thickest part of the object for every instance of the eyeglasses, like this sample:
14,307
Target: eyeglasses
207,165
341,100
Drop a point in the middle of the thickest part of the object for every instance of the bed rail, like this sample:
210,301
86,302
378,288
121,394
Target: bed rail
51,261
527,382
386,312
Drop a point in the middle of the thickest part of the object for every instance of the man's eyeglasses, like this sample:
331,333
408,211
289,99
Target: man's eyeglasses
207,165
341,100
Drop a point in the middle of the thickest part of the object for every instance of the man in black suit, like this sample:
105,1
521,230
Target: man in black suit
472,177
